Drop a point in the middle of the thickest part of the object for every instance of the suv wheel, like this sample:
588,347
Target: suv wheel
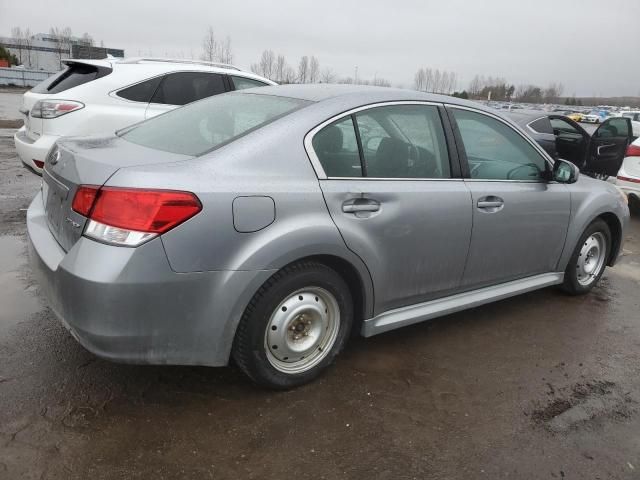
589,259
294,326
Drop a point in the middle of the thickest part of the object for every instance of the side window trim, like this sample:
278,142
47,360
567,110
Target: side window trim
463,154
363,163
317,165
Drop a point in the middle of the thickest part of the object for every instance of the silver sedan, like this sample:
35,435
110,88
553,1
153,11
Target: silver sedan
269,224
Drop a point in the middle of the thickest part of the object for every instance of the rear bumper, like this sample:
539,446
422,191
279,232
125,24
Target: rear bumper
630,188
29,150
127,305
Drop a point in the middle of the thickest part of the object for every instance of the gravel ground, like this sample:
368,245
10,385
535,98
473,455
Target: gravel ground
539,386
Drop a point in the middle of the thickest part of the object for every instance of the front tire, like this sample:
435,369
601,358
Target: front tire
589,259
294,326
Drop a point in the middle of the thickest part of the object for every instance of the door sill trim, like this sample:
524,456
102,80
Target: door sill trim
420,312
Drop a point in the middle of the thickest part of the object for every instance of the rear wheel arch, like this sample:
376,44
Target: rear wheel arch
354,281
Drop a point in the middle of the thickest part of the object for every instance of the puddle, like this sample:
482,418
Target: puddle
17,300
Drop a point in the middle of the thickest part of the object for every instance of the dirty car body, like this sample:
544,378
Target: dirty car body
435,232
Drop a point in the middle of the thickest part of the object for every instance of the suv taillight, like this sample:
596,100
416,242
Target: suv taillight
132,216
633,151
54,108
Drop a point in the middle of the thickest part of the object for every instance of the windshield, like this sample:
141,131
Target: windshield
207,124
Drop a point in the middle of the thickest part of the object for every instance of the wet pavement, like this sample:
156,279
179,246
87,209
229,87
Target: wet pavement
539,386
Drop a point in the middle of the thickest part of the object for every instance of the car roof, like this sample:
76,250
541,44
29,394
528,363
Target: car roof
524,117
359,94
164,65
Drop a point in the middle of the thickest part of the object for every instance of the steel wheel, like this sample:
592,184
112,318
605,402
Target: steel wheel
591,259
302,330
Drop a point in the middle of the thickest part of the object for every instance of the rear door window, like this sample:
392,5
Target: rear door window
141,92
403,141
186,87
74,75
241,83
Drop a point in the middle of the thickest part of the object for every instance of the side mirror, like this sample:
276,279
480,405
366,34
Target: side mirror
565,172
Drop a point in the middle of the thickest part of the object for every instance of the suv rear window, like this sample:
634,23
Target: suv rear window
74,75
211,123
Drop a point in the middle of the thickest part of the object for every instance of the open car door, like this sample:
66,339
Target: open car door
608,146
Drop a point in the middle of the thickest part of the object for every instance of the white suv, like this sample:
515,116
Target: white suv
100,96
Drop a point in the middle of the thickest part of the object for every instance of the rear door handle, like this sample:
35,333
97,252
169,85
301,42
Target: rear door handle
360,205
490,203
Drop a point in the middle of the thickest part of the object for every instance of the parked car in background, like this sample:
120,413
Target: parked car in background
102,96
599,154
628,178
266,225
575,116
634,116
590,118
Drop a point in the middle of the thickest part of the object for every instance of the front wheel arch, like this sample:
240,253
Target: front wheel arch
616,235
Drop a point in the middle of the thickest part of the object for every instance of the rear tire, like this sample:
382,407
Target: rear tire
589,259
294,326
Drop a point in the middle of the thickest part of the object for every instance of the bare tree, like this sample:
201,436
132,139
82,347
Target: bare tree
18,36
281,65
303,69
380,82
419,80
28,44
62,37
86,38
225,53
314,70
428,80
327,75
266,66
289,75
475,87
210,46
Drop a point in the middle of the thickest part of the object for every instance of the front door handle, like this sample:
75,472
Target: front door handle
360,205
490,203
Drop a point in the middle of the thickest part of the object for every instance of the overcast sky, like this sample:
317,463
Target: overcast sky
591,46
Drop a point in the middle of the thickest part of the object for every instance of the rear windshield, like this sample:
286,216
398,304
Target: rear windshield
72,76
203,126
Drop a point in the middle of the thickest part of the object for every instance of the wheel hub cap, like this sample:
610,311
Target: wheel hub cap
591,259
302,330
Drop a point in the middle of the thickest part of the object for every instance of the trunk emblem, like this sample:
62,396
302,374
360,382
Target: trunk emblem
73,224
55,157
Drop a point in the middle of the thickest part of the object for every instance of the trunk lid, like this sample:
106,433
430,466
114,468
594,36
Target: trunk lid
87,161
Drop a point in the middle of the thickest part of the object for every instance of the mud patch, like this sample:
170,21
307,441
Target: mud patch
584,403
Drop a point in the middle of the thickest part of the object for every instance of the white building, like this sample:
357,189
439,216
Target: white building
43,51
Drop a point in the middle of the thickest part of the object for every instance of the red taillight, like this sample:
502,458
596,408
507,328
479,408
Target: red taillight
84,198
141,210
633,151
628,179
38,163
